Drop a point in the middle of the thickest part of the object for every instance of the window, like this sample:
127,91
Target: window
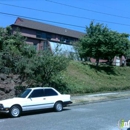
55,38
25,93
37,93
41,34
50,92
48,36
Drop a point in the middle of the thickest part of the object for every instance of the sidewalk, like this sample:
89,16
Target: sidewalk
91,98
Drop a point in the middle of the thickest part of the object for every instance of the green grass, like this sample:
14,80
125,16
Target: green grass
83,78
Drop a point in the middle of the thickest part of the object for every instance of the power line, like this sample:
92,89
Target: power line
40,19
102,5
59,22
45,11
62,14
88,9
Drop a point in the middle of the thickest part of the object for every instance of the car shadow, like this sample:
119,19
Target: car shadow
3,116
42,112
29,113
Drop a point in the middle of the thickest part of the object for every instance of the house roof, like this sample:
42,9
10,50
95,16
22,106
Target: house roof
47,28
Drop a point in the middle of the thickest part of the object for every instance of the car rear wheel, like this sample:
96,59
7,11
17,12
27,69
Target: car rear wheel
58,106
15,111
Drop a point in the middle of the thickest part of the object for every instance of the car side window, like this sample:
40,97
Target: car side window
37,93
50,92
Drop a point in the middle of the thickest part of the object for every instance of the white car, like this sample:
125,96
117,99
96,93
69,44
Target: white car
35,99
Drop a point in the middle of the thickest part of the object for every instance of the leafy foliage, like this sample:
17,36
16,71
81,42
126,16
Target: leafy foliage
101,42
34,67
43,66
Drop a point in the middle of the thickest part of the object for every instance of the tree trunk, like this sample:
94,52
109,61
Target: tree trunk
97,62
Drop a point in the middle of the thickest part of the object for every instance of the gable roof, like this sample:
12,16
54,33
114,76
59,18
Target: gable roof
47,28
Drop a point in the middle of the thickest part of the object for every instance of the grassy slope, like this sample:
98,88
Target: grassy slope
87,78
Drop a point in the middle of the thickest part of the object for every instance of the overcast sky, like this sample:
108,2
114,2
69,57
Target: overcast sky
72,14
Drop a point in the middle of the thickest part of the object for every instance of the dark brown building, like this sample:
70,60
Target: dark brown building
42,35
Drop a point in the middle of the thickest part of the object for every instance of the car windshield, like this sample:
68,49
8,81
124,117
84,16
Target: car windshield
25,93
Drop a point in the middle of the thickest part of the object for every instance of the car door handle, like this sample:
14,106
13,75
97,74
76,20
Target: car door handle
44,98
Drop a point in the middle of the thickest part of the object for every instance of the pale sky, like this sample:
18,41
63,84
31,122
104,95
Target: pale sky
78,13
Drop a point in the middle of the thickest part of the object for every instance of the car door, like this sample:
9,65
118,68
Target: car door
50,96
36,100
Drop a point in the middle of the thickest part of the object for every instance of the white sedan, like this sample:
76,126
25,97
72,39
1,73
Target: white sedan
35,99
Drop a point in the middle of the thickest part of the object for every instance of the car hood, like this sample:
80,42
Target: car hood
12,100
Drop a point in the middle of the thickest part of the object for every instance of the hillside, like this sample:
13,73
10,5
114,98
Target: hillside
83,78
79,78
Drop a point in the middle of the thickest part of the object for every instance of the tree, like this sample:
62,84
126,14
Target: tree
11,50
16,57
42,67
101,42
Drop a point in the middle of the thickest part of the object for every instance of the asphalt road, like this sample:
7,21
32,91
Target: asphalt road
95,116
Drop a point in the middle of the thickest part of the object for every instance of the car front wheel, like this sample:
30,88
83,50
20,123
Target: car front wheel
15,111
58,106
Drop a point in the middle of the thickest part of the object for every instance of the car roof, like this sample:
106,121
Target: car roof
39,88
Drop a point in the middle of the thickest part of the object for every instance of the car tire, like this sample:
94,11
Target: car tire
58,106
15,111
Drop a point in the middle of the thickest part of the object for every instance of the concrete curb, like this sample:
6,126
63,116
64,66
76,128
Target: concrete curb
102,97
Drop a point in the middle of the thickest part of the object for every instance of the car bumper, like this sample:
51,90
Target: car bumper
67,103
4,110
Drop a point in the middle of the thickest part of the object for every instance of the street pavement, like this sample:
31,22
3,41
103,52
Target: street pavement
93,116
99,97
